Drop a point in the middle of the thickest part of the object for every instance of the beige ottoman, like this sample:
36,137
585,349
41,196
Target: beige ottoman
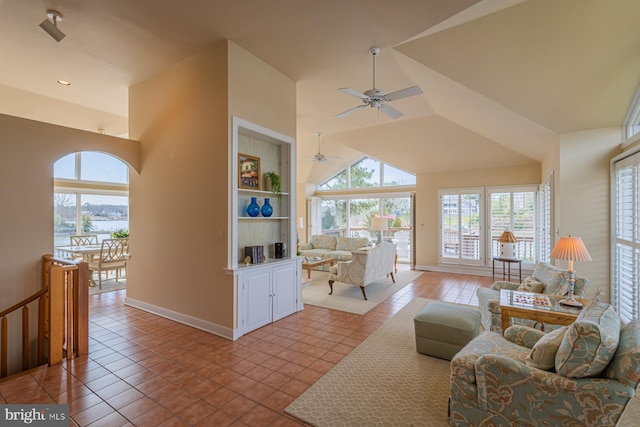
442,328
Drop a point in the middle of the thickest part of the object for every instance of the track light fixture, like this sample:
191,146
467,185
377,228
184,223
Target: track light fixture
50,25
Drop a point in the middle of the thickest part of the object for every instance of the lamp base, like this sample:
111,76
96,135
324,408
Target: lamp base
571,303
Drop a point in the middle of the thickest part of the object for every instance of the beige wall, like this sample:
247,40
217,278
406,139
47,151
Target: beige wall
583,200
427,187
178,202
29,150
181,198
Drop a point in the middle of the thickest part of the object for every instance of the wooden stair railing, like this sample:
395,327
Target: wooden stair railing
63,315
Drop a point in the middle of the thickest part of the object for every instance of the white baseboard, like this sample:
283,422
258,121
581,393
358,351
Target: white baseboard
476,270
203,325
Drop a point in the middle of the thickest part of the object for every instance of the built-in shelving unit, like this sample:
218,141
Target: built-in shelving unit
271,290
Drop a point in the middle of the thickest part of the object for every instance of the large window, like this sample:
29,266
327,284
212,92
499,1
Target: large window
368,173
461,240
632,121
625,281
463,220
513,209
352,216
543,220
91,196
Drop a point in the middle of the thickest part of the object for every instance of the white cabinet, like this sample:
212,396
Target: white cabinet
267,293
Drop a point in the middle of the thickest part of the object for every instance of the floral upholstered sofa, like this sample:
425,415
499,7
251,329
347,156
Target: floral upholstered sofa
338,248
584,374
546,279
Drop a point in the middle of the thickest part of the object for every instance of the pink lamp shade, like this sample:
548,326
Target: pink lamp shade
571,249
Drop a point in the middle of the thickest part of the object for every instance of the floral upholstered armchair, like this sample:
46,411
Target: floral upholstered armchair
584,374
365,267
546,279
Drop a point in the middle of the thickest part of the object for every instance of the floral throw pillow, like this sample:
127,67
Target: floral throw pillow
531,285
589,343
543,353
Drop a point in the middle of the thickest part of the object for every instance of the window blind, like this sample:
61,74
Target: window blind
626,251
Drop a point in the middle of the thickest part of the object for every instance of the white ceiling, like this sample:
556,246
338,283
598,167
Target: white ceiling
502,78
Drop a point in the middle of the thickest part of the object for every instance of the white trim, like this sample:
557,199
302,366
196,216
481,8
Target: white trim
203,325
477,270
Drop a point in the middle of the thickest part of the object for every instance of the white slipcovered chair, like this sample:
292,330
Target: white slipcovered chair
365,267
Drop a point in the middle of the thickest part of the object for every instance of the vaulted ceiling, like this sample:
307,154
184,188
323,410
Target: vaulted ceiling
501,78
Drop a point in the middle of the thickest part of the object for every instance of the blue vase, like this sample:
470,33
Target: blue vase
267,209
254,208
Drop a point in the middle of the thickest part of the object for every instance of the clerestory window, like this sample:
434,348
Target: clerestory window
368,173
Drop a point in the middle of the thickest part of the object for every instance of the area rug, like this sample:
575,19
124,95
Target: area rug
348,297
385,382
109,285
382,382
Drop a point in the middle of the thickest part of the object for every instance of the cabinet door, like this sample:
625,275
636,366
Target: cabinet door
285,285
257,299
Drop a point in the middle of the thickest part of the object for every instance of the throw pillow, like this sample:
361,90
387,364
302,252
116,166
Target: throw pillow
543,353
558,284
531,285
589,343
625,366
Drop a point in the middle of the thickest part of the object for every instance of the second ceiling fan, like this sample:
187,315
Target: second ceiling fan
377,98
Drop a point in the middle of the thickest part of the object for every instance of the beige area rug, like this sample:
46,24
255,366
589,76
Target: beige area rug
109,285
382,382
385,382
348,297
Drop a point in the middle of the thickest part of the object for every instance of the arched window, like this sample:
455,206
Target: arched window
91,196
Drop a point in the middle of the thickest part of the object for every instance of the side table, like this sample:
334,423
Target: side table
506,262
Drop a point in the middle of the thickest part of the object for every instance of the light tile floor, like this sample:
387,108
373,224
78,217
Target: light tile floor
145,370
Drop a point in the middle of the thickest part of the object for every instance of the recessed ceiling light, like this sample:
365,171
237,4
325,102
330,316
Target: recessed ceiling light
64,82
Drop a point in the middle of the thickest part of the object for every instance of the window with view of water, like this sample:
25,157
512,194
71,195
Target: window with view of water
91,196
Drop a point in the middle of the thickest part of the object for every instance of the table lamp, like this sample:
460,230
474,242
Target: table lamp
571,249
508,245
380,224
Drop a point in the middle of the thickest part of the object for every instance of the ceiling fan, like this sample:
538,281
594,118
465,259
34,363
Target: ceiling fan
377,98
319,157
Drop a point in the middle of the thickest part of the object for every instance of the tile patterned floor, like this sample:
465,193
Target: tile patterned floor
145,370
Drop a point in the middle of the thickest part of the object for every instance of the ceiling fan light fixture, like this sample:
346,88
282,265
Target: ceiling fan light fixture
378,98
50,25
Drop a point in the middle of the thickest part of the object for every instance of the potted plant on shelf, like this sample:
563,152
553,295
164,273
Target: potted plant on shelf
273,182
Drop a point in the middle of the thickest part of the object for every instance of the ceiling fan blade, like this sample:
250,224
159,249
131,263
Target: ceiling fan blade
346,113
403,93
355,93
390,111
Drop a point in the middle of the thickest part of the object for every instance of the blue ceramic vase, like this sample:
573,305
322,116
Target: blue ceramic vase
253,209
267,209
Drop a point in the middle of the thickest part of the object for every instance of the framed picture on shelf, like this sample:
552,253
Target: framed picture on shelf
248,172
